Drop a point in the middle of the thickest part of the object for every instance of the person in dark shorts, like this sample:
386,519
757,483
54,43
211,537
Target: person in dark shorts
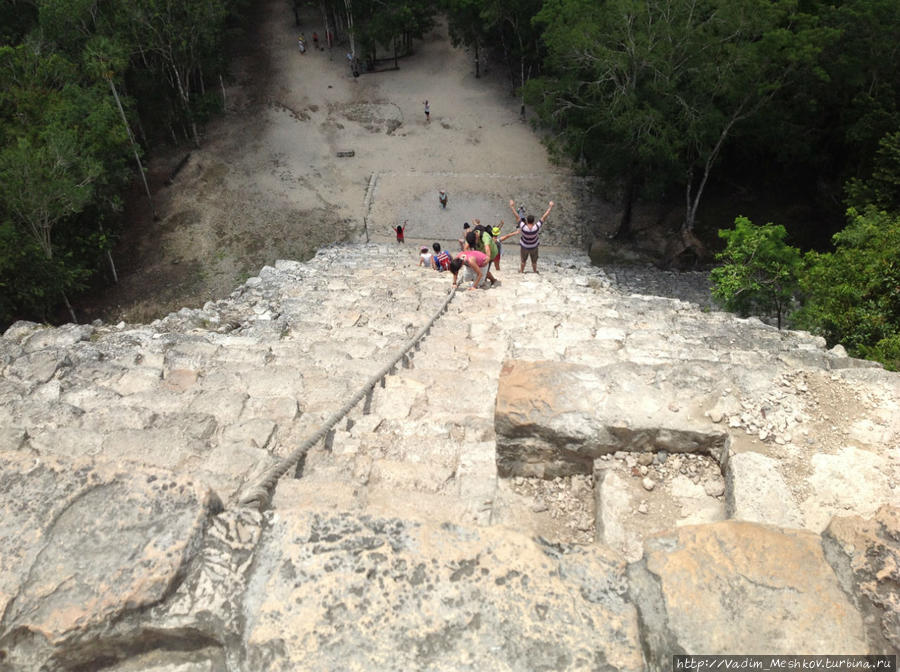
529,232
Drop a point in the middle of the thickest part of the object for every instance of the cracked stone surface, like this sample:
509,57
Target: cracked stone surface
359,593
83,546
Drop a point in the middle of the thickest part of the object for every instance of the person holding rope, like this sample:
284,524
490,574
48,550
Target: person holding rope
476,263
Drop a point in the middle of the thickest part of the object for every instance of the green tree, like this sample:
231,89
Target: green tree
882,188
760,273
468,27
647,94
43,184
852,295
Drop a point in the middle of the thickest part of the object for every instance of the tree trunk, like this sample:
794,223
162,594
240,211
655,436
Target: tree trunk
69,306
137,157
625,231
349,7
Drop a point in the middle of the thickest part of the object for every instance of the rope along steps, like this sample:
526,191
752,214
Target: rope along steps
259,495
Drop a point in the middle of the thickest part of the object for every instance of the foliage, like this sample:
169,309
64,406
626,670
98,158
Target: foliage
648,93
760,273
75,77
882,189
852,295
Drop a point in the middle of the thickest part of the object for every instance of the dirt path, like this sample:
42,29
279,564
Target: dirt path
268,182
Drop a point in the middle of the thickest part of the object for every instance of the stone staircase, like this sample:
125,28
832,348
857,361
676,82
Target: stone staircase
542,450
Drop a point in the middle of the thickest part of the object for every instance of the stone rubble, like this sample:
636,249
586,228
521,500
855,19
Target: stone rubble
572,470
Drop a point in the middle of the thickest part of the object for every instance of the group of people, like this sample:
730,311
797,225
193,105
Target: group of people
481,247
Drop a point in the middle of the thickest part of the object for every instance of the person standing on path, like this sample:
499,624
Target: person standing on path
427,112
529,233
442,199
401,232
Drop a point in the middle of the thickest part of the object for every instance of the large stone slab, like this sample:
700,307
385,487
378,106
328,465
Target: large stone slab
756,491
82,545
866,556
341,592
735,586
553,418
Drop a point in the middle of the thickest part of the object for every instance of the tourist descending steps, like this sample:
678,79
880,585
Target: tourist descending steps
425,259
530,233
476,264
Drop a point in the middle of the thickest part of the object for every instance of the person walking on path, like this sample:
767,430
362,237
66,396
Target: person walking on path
427,112
476,263
442,199
529,233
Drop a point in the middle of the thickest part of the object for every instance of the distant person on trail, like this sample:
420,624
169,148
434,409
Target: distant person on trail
442,199
301,44
315,41
401,231
427,112
476,264
441,259
529,233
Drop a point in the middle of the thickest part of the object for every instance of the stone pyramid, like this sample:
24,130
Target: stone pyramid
562,472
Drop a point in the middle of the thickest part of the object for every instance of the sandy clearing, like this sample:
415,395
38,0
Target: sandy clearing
268,183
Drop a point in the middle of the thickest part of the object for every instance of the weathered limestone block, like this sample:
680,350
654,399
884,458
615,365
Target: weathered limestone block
757,492
20,330
736,586
850,481
866,557
12,438
60,337
278,409
83,545
613,504
360,593
553,418
38,367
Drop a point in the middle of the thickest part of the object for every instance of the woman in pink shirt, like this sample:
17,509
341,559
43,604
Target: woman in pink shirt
477,263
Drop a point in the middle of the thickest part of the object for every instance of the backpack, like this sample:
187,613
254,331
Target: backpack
489,243
442,261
